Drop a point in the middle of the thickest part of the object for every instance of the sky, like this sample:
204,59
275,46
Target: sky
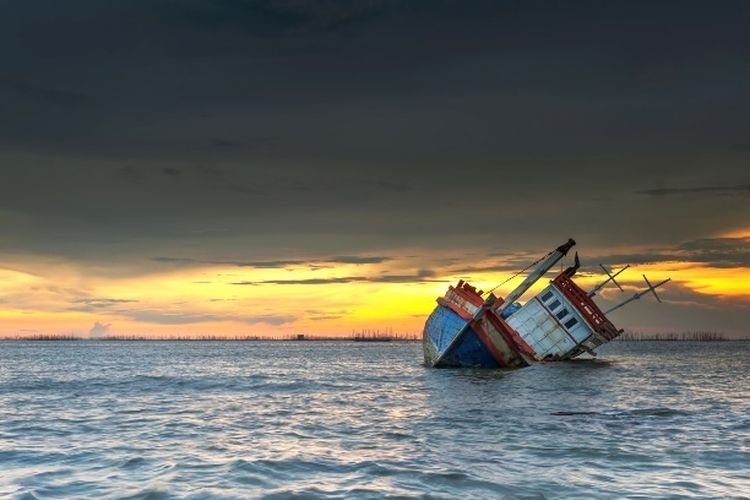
274,167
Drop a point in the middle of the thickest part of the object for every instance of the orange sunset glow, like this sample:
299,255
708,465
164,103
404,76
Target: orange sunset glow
316,298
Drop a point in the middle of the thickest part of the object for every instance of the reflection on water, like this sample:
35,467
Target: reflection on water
158,419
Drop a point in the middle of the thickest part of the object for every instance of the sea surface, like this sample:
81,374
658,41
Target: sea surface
367,420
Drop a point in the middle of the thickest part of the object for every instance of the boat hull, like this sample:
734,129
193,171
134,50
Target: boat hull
455,338
442,348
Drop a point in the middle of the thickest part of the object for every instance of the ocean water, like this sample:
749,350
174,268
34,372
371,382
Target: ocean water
367,420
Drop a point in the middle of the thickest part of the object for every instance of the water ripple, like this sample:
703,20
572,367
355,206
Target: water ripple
344,420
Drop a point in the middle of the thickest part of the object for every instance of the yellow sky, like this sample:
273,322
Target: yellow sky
58,297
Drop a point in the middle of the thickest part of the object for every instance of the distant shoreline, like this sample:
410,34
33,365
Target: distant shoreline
367,336
63,338
311,339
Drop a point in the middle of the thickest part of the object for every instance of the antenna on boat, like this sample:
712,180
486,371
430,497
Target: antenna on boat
541,268
610,278
651,288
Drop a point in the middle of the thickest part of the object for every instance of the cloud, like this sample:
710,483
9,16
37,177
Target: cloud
275,264
129,173
325,317
172,173
307,281
104,302
715,252
44,94
191,177
503,264
354,259
280,18
719,252
389,186
679,293
95,304
179,318
422,276
741,189
404,278
269,264
490,268
225,143
99,330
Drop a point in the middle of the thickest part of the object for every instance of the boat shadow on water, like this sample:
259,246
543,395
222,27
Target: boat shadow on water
585,363
494,373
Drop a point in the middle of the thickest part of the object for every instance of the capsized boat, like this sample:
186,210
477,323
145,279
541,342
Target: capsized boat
560,322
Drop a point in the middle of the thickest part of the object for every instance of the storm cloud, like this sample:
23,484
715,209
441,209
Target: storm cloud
143,137
268,129
699,190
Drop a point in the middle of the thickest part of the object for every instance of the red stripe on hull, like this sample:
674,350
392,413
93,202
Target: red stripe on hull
455,308
489,344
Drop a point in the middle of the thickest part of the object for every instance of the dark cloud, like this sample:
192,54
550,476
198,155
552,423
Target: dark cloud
422,276
501,263
270,264
308,281
129,173
491,268
172,173
743,189
405,278
226,143
389,186
44,95
355,259
682,310
277,264
190,178
716,252
278,18
719,252
98,304
104,302
326,317
677,293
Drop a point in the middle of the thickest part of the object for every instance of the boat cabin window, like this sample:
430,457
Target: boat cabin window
562,313
547,296
553,305
571,323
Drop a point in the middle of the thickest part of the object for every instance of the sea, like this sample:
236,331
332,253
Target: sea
106,419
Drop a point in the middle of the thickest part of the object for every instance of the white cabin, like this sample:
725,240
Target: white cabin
561,322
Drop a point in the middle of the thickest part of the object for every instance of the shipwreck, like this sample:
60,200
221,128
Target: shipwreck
562,321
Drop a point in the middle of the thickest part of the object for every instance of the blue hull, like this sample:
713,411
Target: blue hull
441,329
